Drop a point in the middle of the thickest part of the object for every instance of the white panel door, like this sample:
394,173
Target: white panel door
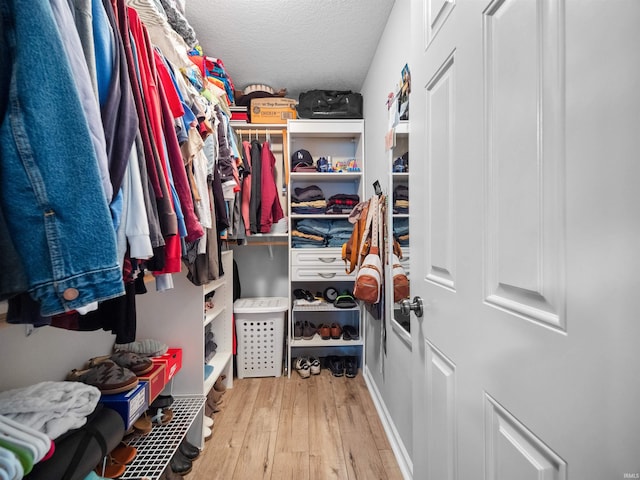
525,138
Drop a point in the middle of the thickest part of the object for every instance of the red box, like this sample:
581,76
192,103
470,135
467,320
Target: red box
172,361
155,380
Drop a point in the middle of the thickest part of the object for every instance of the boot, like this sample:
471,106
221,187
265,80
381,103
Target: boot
219,386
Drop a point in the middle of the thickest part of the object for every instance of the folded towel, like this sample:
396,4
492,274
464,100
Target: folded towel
52,408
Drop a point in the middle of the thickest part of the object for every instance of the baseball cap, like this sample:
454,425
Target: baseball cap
301,157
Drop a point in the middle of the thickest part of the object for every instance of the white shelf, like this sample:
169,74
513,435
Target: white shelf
211,315
156,449
326,128
210,287
317,341
322,307
323,176
219,362
324,216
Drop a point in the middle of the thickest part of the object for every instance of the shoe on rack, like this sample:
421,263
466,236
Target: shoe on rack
209,409
147,347
324,331
180,464
336,365
302,367
206,433
107,468
308,330
106,376
215,396
208,421
129,360
350,333
219,386
314,365
336,331
297,331
350,367
189,450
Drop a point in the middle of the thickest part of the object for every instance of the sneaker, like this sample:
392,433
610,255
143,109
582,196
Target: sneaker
302,367
336,365
314,363
350,367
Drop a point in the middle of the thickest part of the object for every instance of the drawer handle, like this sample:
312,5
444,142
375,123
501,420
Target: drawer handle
327,275
327,259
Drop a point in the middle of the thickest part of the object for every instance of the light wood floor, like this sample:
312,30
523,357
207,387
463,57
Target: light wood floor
318,428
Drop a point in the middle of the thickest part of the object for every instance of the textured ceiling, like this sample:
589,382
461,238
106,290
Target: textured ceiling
294,44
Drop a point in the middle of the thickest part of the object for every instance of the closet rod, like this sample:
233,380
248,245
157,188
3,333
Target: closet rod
264,131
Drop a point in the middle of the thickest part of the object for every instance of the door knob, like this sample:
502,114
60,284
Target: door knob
406,306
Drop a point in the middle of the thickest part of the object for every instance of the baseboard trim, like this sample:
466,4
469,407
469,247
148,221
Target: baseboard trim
399,450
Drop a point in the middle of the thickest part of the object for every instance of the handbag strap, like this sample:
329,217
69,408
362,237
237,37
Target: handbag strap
375,225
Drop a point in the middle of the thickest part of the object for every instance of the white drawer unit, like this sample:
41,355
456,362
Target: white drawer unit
318,264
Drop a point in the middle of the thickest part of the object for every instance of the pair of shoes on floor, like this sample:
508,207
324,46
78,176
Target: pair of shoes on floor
346,365
304,330
307,366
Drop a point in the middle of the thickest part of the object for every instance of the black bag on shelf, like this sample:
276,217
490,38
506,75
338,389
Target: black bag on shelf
329,104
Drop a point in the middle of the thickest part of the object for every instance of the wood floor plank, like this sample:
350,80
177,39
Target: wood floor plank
231,423
266,409
325,444
290,466
351,414
361,456
256,457
293,426
217,462
390,465
382,442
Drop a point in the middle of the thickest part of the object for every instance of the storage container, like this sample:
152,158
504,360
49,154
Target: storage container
260,335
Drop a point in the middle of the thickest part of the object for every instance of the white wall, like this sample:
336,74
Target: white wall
391,373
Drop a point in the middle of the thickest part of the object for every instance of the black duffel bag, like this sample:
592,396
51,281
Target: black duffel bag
330,104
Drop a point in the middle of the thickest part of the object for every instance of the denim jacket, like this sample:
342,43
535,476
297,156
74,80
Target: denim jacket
50,190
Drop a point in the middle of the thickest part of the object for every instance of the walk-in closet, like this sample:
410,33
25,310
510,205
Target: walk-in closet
375,239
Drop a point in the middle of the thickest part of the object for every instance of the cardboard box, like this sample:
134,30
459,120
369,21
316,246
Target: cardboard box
172,361
155,380
130,405
273,110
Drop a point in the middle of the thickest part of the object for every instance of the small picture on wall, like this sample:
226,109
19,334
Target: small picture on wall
403,96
